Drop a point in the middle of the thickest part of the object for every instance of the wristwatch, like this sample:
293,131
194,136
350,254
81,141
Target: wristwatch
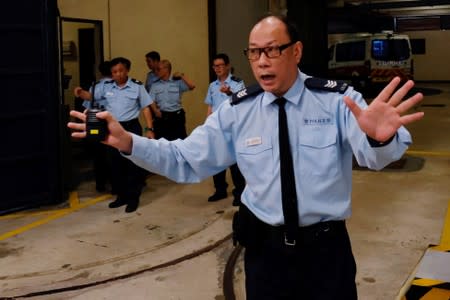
149,129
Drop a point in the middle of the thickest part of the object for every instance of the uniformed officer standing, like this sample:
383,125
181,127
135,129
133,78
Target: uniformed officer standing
218,91
323,124
152,59
124,98
170,121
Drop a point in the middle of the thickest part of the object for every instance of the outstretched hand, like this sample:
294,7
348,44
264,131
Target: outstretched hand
384,116
117,136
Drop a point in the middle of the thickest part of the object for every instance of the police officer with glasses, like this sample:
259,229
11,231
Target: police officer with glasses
293,138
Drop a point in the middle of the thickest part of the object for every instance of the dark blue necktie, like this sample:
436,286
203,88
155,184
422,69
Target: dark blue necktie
288,192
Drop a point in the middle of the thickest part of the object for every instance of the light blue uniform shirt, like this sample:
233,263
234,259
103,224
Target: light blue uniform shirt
98,85
151,78
215,97
167,94
124,103
323,135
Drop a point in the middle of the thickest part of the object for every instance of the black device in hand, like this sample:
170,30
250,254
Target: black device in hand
96,129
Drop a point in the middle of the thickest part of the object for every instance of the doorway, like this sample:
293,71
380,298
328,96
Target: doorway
82,52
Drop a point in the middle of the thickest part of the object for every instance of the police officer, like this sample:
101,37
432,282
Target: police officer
124,98
170,121
152,59
218,91
327,122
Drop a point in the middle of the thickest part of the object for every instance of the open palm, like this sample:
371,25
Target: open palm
387,112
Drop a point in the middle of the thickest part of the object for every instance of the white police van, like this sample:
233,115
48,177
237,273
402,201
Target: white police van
366,59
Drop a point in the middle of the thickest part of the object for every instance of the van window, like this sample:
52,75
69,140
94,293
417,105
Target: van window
391,49
350,51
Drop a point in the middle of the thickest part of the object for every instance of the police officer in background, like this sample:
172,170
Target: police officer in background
152,59
170,121
218,91
293,139
124,98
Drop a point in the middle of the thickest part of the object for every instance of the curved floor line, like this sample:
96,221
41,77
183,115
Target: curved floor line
111,260
125,276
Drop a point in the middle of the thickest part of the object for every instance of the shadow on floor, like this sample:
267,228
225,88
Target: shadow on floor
407,163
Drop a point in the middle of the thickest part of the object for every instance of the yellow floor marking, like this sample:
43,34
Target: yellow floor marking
429,153
445,238
426,282
27,214
73,200
436,294
54,216
440,248
444,246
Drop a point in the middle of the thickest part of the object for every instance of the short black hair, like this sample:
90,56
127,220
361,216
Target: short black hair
121,60
105,68
222,56
153,55
291,26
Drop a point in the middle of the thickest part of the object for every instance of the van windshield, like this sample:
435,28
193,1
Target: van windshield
390,49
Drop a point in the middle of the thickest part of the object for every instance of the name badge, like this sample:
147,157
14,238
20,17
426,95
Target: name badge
109,94
253,141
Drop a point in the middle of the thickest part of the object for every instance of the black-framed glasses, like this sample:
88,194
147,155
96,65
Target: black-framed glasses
270,52
218,66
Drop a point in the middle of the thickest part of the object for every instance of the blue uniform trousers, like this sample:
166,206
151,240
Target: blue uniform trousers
221,185
171,125
127,178
320,266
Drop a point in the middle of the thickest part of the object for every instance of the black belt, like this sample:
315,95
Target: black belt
129,122
306,234
176,112
258,231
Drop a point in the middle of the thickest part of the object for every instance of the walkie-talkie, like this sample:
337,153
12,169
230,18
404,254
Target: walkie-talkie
96,129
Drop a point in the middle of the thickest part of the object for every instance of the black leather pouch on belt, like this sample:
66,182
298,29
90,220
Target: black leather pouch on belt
246,229
238,230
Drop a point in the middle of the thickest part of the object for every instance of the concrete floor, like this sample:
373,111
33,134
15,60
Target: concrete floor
177,244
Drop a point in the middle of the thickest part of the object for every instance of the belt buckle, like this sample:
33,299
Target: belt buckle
288,242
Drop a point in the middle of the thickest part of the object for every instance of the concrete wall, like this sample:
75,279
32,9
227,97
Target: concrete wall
232,36
435,63
178,30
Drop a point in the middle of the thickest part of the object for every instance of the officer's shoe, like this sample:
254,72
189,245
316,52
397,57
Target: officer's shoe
237,197
218,195
132,206
117,203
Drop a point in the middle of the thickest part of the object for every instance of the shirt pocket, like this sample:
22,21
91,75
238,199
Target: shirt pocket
132,95
256,161
174,92
157,93
318,152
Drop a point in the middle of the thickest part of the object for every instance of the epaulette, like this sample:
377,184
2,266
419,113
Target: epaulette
243,94
136,81
326,85
234,78
109,81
